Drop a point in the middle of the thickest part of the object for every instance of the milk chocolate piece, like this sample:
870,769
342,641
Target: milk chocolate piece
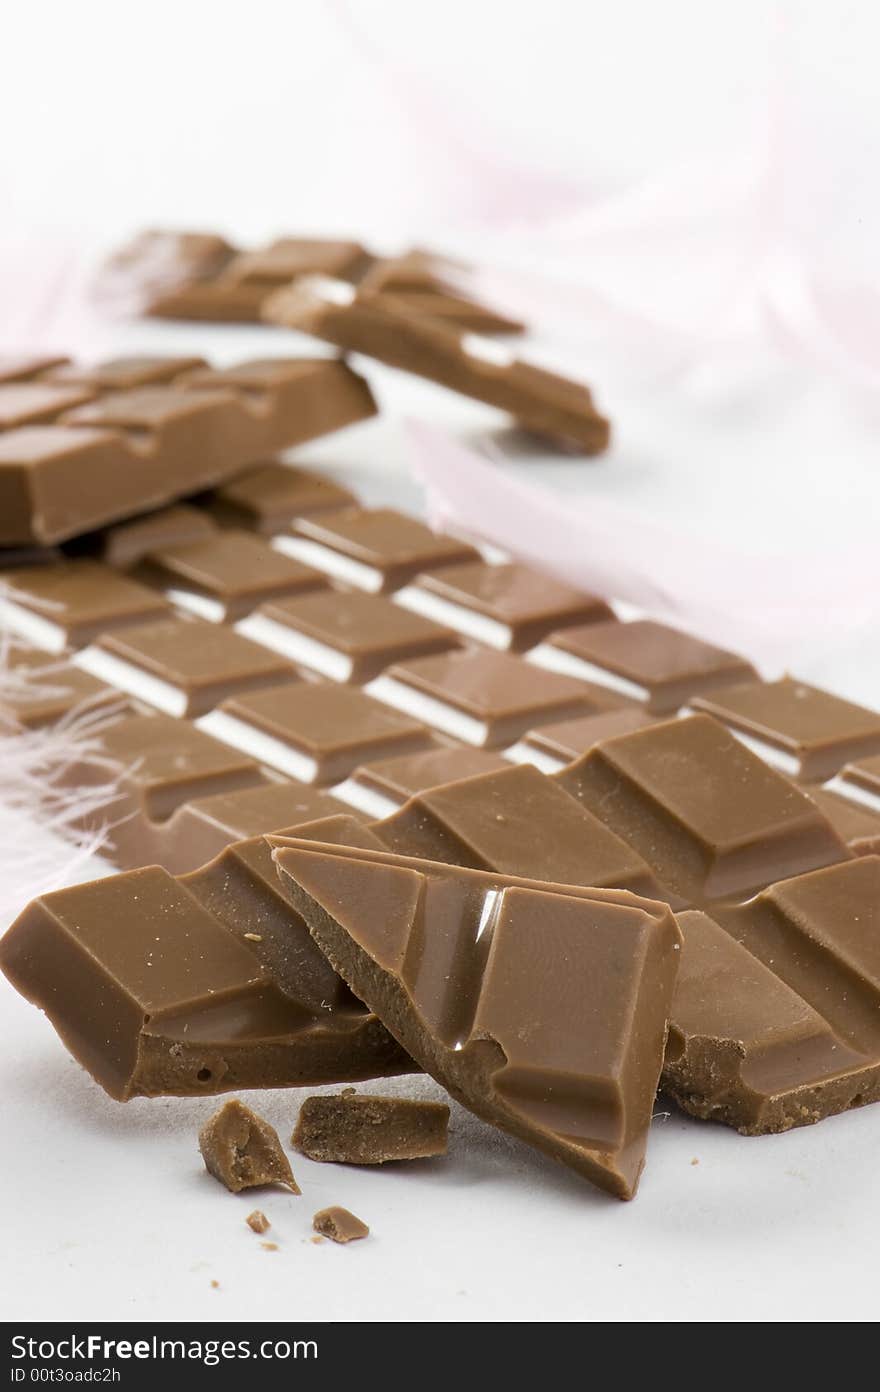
71,602
157,986
126,543
352,1128
347,637
200,829
382,327
34,403
518,822
339,1225
127,451
183,666
746,1049
243,1151
227,575
376,549
505,606
645,661
543,1009
38,691
807,732
269,497
429,284
858,826
484,698
380,788
157,261
125,374
710,817
859,782
551,747
315,731
258,1222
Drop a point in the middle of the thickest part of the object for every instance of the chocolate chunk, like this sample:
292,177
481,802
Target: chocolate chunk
375,549
315,731
157,986
71,602
348,637
859,782
243,1151
258,1222
380,788
125,374
802,730
35,403
227,575
183,666
203,827
159,260
505,606
339,1225
484,698
551,747
126,543
858,826
542,1008
127,451
352,1128
644,661
269,497
708,816
518,822
746,1049
378,325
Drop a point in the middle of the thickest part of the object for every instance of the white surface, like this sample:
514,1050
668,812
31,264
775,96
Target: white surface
105,1210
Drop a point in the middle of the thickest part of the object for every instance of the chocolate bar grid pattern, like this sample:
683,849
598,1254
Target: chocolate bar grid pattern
81,447
246,775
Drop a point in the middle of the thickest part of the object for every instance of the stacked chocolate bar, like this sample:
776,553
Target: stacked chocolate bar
384,804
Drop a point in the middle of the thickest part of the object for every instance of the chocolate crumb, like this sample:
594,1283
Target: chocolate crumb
695,1161
339,1225
215,1285
258,1221
317,1240
242,1150
269,1246
254,937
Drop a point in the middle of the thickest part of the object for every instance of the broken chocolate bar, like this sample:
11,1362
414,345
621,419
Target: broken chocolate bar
269,497
227,575
243,1151
347,637
644,661
375,549
541,1008
481,697
315,731
380,326
339,1225
159,986
506,606
68,603
351,1128
183,666
807,733
710,818
127,451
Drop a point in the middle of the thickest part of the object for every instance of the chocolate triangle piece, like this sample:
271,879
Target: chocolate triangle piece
243,1151
542,1008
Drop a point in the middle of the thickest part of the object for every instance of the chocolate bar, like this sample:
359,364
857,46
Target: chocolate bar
658,666
70,602
315,731
227,575
375,549
269,497
542,1009
348,637
808,733
505,606
243,1151
481,697
381,787
154,992
551,747
710,818
351,1128
382,327
181,429
183,666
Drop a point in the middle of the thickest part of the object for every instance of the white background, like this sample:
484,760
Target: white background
266,118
